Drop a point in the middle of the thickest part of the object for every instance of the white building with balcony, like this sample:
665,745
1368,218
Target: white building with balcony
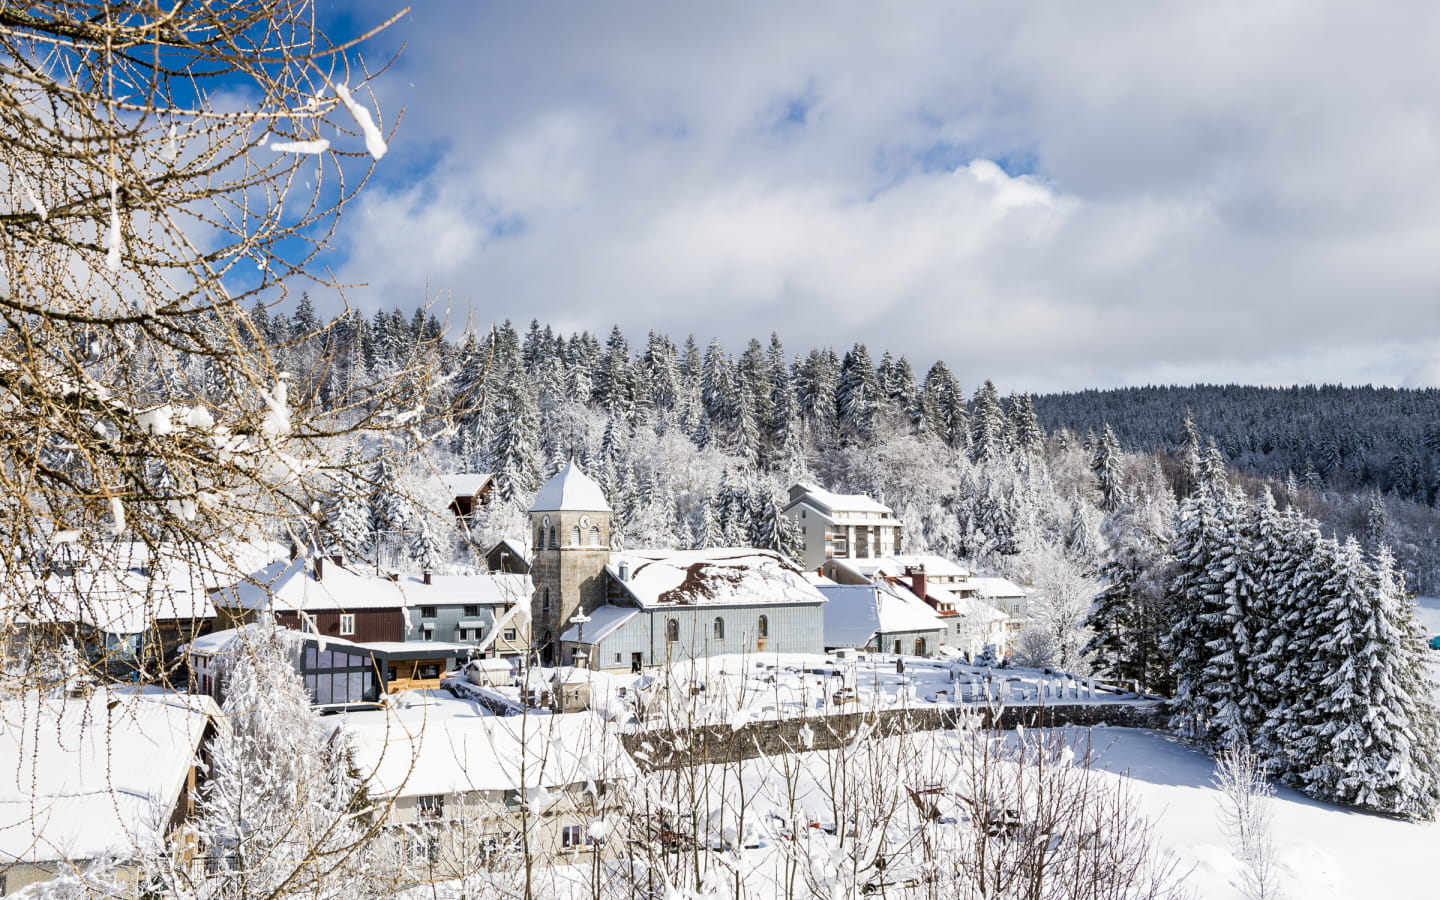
842,526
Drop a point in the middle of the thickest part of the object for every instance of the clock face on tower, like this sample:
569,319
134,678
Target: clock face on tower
545,522
584,521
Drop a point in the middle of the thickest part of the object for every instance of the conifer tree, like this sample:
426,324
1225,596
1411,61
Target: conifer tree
347,515
856,396
987,424
1106,466
515,444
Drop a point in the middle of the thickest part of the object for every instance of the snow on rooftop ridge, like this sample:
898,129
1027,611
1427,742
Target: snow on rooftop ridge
96,790
570,489
724,575
842,502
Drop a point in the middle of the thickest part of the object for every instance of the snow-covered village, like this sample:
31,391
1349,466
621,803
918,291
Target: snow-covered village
718,452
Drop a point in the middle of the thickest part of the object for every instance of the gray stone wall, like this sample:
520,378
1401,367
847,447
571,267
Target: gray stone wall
724,744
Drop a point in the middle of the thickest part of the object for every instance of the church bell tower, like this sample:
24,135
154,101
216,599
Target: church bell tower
570,547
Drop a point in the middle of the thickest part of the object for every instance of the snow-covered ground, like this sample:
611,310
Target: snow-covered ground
737,689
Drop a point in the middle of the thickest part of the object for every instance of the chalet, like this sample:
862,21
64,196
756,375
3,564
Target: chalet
94,777
327,598
468,492
842,526
456,780
671,605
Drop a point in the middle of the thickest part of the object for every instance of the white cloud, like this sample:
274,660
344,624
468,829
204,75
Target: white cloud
1216,188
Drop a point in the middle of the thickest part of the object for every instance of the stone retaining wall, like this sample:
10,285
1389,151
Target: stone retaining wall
716,744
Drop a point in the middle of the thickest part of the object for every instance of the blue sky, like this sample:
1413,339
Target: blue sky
1053,195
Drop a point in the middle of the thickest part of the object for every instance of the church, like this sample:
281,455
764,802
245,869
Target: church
625,611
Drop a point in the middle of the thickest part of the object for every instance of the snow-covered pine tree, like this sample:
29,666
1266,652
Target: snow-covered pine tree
424,550
1201,538
390,512
942,407
856,396
347,515
1106,466
282,814
1377,719
987,424
515,445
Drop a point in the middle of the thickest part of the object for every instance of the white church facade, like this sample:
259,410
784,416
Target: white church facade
626,611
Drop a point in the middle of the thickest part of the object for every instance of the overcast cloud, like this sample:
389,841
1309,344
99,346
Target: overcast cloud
1054,195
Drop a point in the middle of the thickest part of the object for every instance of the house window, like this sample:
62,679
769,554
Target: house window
762,627
574,837
422,849
617,659
427,612
672,630
427,632
430,806
575,536
472,612
428,670
347,623
509,634
719,629
462,634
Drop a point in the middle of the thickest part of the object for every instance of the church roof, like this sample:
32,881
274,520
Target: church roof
570,489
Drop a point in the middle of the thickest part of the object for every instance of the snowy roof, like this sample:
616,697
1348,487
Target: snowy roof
464,484
603,622
935,566
118,603
994,588
445,746
570,489
967,607
285,586
854,613
724,576
126,587
833,503
80,777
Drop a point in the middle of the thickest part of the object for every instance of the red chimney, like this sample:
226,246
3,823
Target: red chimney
427,576
917,582
319,567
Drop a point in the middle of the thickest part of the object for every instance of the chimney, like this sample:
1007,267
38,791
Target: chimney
624,570
337,559
917,581
319,568
426,576
294,550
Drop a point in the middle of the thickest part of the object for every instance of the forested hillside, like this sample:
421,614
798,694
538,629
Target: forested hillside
1327,436
695,444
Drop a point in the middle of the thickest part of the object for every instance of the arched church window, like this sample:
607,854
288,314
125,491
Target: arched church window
575,536
553,542
594,535
719,629
545,599
672,630
763,626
